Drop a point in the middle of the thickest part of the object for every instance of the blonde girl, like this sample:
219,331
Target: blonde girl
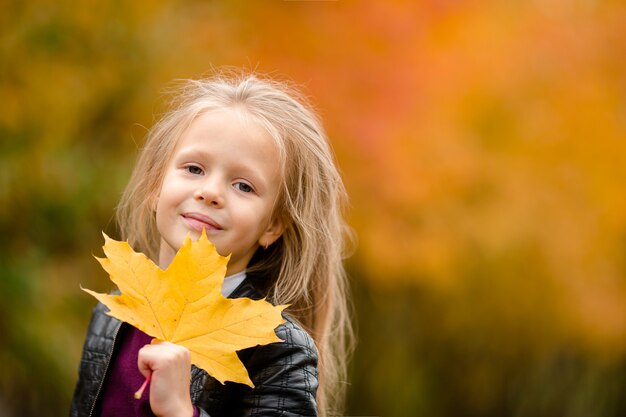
246,159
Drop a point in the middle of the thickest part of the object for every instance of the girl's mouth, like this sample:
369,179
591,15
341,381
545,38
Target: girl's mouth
199,221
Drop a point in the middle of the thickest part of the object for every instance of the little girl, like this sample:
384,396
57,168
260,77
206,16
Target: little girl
248,161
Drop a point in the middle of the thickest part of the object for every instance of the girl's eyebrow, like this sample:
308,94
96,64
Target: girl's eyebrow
190,152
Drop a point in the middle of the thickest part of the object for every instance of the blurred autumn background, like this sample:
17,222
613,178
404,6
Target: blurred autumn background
482,143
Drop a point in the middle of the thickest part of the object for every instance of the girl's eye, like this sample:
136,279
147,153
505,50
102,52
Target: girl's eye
193,169
242,186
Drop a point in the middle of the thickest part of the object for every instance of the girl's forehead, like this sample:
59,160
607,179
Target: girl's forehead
224,132
211,121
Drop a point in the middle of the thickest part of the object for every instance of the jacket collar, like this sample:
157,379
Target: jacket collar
246,289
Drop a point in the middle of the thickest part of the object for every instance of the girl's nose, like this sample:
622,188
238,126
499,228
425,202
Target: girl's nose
210,192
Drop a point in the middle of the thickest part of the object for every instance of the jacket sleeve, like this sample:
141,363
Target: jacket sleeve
97,351
285,380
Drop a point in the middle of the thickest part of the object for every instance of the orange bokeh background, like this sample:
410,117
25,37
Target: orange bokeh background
482,144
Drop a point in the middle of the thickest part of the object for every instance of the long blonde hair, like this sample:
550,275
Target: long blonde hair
307,260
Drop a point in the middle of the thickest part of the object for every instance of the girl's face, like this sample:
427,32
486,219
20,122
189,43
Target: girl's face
224,177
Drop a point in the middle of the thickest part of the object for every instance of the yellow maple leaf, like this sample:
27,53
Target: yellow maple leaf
184,305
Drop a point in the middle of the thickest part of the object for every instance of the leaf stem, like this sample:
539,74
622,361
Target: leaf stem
139,393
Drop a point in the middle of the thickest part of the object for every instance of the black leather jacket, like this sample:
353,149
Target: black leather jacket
284,374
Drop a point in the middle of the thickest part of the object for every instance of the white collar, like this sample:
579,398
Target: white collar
231,282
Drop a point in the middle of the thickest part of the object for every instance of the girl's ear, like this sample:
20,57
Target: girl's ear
274,230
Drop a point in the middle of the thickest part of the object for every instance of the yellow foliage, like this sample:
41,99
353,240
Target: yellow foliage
184,305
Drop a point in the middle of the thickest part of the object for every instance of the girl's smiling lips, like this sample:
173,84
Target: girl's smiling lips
199,221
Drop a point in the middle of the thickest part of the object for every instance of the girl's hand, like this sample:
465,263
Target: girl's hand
170,365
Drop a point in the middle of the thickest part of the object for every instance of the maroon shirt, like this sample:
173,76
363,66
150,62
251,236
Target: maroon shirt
123,379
